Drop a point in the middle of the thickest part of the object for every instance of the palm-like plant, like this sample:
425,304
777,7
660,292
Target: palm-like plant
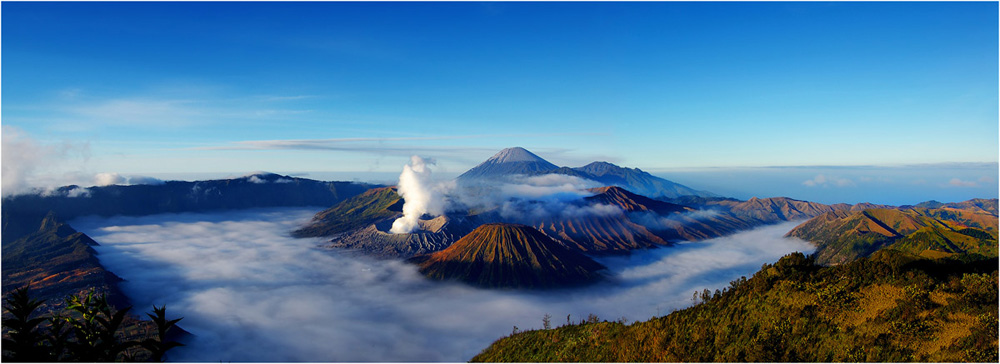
25,341
87,331
95,330
160,346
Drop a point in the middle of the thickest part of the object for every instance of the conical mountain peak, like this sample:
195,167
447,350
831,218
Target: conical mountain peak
515,154
510,256
508,162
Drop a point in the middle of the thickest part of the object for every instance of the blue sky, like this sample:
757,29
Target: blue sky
203,88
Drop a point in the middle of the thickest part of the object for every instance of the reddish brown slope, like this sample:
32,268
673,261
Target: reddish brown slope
630,202
511,256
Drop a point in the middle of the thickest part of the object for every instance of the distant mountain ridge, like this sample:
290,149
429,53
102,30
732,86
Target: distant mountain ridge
637,180
517,160
257,190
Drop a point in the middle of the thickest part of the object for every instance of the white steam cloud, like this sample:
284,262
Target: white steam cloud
525,198
420,195
250,292
108,179
28,165
518,198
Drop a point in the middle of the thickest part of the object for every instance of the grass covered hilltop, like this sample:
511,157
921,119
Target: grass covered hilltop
889,307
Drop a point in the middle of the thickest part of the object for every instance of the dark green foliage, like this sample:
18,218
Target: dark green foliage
976,233
94,326
160,345
25,342
890,307
355,212
89,330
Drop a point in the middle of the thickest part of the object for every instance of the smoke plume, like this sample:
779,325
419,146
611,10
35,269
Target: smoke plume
420,196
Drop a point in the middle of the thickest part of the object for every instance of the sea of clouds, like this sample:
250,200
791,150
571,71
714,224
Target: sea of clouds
250,292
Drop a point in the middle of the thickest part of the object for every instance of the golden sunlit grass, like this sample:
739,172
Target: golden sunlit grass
892,307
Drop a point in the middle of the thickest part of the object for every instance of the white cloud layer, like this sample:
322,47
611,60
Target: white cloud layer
955,182
824,181
107,179
27,164
249,292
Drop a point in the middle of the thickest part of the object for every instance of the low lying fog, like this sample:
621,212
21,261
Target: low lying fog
250,292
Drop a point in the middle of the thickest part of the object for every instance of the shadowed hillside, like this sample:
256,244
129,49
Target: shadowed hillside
55,260
259,190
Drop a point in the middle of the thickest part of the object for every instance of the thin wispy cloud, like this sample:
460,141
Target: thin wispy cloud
955,182
277,98
345,143
823,181
142,111
396,146
28,164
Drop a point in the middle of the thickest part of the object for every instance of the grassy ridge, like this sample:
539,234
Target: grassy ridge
842,236
55,260
891,306
355,212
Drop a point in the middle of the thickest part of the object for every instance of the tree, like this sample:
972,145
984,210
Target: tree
96,328
160,346
88,330
25,342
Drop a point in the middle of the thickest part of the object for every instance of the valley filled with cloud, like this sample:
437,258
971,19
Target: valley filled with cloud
250,292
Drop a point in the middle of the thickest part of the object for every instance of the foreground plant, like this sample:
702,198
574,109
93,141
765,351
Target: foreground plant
89,329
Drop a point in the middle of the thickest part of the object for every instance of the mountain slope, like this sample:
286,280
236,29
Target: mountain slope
631,202
510,256
376,240
890,307
637,181
356,212
842,236
599,234
508,162
775,209
517,160
54,259
976,204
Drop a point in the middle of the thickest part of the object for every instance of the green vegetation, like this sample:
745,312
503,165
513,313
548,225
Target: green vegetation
889,307
353,213
56,260
90,330
842,236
